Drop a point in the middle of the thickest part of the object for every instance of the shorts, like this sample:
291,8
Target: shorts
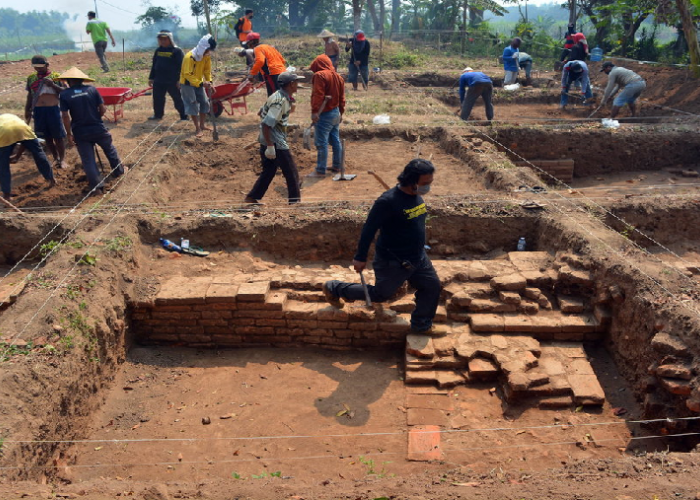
48,123
195,99
630,93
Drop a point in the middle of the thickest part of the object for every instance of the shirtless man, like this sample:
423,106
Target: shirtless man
43,88
331,47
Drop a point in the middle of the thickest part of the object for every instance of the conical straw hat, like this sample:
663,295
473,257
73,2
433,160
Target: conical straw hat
325,34
77,74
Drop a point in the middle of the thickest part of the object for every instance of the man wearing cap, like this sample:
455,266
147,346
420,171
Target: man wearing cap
165,75
359,49
99,30
195,82
274,150
82,109
331,47
328,92
43,88
575,71
245,24
631,83
12,131
478,84
268,62
510,61
399,215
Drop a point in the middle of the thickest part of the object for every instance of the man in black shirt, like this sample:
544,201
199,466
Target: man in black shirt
399,215
165,75
82,109
359,49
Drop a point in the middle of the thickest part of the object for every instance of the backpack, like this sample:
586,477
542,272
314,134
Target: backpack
239,27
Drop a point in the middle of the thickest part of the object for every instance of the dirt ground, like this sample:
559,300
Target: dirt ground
276,427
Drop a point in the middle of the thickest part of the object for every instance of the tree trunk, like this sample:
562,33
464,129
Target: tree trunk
382,14
294,18
572,12
206,14
357,14
375,19
395,5
691,36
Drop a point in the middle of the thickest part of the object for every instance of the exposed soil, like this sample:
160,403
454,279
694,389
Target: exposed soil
85,413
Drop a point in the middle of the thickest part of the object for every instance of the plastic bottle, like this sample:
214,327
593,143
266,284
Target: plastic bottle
597,54
169,245
521,244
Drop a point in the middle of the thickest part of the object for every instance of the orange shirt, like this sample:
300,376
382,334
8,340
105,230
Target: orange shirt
326,81
246,26
268,60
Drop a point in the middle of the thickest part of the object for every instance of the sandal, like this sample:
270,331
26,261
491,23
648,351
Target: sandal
199,252
532,205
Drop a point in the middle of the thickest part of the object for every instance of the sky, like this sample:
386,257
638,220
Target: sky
121,14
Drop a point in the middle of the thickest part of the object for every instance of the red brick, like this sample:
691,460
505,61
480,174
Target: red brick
330,313
276,300
255,330
140,316
343,334
244,313
212,314
191,330
310,339
192,337
279,338
222,307
332,325
321,332
183,290
213,322
253,292
168,337
173,308
363,327
271,322
398,326
294,332
219,330
336,341
221,293
365,343
227,339
185,322
300,323
302,311
243,321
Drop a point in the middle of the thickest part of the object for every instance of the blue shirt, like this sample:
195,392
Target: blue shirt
82,102
568,76
471,78
510,63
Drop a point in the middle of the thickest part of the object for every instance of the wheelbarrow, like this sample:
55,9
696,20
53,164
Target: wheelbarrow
234,94
117,96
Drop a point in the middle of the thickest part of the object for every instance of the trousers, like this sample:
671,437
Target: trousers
100,49
485,90
328,131
159,91
85,144
42,163
284,161
390,274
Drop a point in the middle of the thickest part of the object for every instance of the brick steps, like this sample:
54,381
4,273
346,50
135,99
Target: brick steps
551,325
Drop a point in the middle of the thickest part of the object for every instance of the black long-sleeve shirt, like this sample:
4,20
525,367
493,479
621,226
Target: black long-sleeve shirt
400,220
362,56
167,62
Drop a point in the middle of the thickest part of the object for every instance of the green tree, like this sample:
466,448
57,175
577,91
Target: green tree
158,18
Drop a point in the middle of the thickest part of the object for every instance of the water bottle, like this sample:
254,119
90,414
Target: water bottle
169,245
597,54
184,244
521,244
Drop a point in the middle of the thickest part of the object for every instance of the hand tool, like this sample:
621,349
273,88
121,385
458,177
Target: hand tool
342,176
368,301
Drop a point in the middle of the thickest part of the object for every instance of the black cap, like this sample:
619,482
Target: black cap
606,65
39,60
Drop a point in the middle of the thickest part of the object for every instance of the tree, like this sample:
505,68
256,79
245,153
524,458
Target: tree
691,34
357,14
158,18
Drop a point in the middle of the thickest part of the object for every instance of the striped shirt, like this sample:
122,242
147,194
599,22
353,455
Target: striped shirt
275,114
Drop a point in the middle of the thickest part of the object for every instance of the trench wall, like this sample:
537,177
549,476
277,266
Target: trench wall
598,152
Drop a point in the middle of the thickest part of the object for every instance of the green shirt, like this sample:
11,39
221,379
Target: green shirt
97,29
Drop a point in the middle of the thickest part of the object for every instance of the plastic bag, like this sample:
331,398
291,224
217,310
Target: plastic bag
610,123
381,120
513,86
291,69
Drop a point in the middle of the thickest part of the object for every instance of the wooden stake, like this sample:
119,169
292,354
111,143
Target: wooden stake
10,205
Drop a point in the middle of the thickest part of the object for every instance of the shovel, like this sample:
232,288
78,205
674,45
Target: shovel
307,130
342,176
368,301
595,111
215,133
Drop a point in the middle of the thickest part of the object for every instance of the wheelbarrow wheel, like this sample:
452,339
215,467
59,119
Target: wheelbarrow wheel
218,108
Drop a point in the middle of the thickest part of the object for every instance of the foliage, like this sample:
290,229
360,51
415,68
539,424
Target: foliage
18,31
9,350
158,18
49,247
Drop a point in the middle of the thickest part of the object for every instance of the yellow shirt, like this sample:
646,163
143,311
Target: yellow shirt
195,72
13,129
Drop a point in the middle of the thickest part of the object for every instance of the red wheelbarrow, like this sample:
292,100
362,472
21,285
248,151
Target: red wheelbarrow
117,96
234,94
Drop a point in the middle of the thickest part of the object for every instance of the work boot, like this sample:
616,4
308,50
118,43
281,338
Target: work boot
330,297
154,117
433,331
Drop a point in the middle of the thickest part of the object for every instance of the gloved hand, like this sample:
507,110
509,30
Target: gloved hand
270,153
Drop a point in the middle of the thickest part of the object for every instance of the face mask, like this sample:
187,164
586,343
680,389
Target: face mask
421,190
